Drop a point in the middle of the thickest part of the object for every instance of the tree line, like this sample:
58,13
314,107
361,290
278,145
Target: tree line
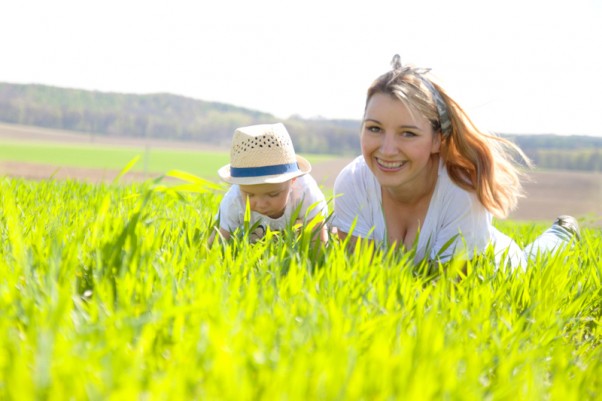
168,116
161,116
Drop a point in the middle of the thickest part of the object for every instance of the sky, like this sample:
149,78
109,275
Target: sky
516,66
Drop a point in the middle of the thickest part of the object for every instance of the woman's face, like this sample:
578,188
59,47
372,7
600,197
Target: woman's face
397,143
267,199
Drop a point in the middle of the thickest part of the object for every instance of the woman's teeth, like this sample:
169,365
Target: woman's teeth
386,164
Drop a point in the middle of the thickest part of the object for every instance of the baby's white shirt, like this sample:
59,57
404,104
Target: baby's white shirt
305,193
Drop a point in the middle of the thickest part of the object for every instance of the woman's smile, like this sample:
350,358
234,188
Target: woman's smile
399,145
389,165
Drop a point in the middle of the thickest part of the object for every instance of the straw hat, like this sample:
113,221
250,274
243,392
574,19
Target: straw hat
263,154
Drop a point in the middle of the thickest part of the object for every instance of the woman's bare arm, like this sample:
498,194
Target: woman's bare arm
352,240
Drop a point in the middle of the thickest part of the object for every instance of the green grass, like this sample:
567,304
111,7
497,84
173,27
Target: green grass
110,292
153,159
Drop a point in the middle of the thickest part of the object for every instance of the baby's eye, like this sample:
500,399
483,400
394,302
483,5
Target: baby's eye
274,194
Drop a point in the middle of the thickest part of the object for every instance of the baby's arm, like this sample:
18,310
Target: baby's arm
226,217
319,230
225,234
315,208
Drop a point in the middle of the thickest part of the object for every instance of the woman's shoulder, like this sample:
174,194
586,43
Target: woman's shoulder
357,165
448,186
354,172
451,199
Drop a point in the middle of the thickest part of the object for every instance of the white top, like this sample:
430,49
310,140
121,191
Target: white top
452,210
305,192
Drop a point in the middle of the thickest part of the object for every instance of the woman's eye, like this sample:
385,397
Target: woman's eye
408,134
373,128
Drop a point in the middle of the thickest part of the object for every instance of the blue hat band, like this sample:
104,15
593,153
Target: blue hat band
240,172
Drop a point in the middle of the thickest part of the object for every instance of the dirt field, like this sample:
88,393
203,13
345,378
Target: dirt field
548,194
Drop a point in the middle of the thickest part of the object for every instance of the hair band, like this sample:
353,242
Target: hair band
442,111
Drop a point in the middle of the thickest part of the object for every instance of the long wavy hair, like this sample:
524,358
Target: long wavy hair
475,160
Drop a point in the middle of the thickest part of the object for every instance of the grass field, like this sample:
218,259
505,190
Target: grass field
114,158
38,153
109,292
153,159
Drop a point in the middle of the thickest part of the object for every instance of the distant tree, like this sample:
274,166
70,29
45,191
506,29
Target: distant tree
167,116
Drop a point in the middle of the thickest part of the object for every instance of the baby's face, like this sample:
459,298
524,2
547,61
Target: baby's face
267,199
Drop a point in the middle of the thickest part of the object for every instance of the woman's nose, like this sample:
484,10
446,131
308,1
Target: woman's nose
388,145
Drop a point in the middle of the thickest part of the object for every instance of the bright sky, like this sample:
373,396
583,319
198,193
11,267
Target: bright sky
518,66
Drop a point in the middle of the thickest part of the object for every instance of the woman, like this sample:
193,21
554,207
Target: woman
429,178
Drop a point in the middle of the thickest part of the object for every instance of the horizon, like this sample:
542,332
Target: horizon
515,67
253,110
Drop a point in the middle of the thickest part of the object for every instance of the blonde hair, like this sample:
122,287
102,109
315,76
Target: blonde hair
476,161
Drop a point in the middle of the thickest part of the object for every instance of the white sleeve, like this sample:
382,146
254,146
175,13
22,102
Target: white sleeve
465,224
230,217
313,200
353,204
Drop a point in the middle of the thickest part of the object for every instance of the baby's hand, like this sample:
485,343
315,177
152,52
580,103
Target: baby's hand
257,234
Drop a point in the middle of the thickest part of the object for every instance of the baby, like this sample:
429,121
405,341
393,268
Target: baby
266,172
